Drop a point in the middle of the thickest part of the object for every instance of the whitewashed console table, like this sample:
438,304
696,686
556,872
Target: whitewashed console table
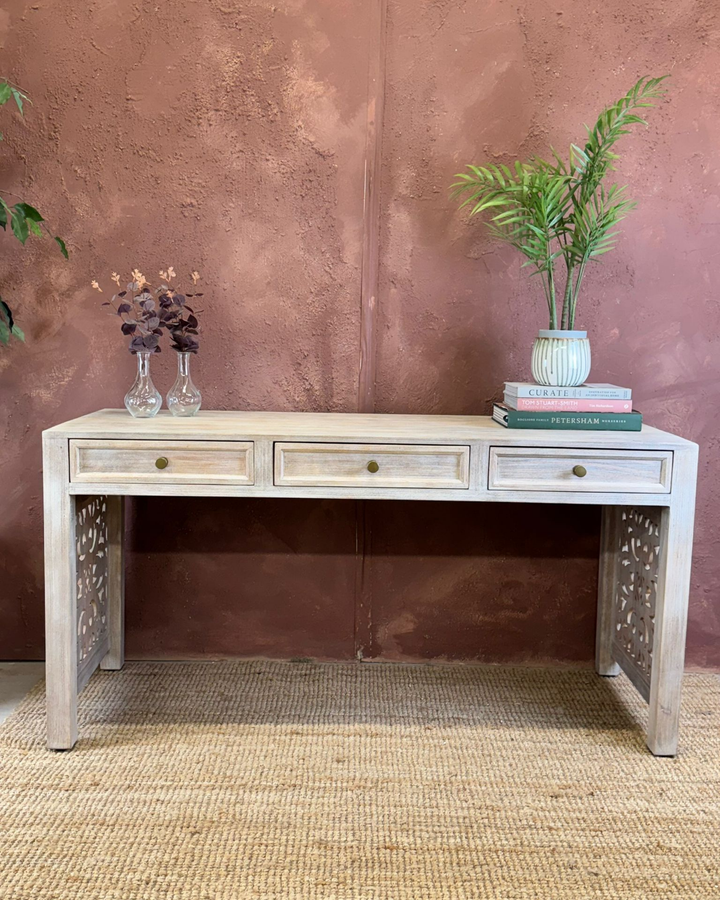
644,481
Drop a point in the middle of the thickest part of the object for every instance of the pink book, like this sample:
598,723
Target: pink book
568,405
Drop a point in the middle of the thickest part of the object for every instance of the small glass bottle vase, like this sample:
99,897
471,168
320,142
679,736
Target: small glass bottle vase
184,398
143,400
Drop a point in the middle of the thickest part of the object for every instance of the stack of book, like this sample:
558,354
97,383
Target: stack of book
590,407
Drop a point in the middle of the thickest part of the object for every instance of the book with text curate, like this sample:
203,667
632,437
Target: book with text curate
582,392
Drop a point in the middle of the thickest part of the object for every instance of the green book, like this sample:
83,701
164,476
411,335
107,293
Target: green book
569,421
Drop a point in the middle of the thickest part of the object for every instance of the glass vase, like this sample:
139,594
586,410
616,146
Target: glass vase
184,398
143,400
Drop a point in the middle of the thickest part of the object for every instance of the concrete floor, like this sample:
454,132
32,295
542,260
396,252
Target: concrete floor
16,679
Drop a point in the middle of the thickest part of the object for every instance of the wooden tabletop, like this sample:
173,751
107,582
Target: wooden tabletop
233,424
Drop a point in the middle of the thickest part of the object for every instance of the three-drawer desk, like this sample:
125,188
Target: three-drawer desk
644,481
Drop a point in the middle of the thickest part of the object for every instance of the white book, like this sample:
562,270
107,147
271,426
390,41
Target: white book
583,392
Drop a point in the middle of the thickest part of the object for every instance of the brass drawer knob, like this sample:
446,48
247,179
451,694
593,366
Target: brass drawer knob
372,466
580,471
162,462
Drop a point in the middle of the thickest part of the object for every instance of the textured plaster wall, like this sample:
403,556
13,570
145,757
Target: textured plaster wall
230,137
498,80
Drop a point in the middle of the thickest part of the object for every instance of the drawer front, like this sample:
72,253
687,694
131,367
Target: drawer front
611,471
371,465
162,462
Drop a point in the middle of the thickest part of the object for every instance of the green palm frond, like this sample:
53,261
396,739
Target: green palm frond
595,159
548,210
593,224
529,207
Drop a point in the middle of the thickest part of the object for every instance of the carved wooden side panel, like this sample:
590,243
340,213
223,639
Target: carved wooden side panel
637,572
91,545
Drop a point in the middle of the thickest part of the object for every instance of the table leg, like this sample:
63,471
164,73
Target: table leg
643,599
115,658
60,597
671,609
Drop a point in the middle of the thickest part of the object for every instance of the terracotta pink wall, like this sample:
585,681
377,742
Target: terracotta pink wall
230,137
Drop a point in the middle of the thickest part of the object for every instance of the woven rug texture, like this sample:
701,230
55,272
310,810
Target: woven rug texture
333,781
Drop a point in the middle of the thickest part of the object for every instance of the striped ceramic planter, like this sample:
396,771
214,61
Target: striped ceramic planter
561,358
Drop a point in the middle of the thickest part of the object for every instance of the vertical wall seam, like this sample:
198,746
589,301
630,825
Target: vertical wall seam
370,271
363,596
371,209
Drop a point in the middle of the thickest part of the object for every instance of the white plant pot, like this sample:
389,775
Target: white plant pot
561,358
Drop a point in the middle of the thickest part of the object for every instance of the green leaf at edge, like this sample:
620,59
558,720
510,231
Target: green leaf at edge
19,225
29,212
6,312
8,326
18,100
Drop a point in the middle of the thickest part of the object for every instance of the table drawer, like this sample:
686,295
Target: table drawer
611,471
372,465
162,462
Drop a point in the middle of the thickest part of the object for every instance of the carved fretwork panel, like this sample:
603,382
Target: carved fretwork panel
636,590
91,545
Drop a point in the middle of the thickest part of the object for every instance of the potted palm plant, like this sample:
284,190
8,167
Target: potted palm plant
552,211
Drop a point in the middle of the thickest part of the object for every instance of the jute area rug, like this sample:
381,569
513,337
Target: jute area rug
235,780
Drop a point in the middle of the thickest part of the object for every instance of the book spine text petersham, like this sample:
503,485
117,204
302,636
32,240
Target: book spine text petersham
513,418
